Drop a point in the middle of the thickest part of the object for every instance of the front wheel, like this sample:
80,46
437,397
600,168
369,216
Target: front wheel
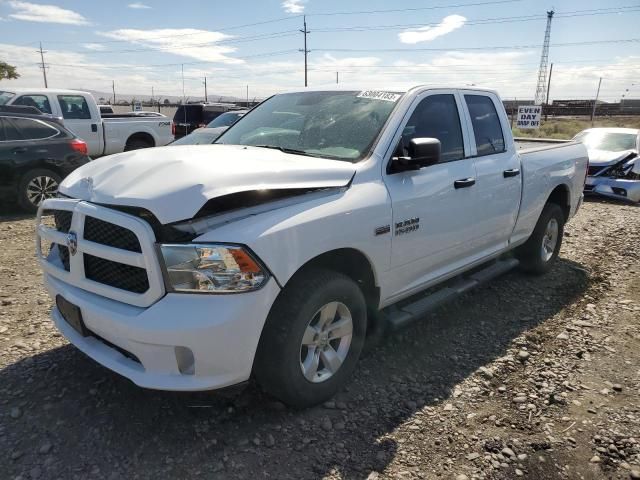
312,338
539,252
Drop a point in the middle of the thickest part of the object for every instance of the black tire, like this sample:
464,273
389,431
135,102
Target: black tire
137,144
278,362
531,255
28,197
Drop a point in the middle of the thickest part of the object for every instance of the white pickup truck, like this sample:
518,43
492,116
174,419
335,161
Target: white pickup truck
81,115
319,219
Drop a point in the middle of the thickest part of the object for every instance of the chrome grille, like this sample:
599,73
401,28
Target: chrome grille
118,275
115,255
109,234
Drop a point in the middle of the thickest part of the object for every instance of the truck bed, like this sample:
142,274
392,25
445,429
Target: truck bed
527,144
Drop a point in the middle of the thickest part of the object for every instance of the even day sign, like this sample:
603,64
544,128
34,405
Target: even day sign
529,116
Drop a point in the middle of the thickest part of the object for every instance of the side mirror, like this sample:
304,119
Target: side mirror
423,152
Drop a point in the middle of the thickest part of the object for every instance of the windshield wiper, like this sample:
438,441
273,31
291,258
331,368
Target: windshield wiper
287,150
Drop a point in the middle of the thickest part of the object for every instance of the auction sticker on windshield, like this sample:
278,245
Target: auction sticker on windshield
380,95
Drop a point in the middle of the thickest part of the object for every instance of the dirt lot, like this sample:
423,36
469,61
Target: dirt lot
526,377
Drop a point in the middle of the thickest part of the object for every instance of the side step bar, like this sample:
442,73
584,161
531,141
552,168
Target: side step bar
399,316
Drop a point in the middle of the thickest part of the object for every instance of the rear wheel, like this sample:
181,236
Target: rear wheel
312,338
35,187
539,253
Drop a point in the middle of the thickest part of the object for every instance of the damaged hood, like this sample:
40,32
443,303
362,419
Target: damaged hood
175,182
605,158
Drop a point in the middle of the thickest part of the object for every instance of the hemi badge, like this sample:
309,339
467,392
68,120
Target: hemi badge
383,230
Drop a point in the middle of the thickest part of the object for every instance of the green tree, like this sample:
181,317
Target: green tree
8,71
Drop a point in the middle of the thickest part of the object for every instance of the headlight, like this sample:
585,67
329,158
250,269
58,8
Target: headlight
211,268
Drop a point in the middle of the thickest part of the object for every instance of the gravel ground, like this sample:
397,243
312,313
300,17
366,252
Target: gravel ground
532,377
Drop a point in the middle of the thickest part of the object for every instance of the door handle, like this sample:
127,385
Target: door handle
464,183
512,172
94,127
19,150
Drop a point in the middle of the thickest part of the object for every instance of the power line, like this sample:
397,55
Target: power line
483,21
455,48
416,9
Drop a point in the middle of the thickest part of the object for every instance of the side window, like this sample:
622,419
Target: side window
11,133
486,125
38,101
436,117
31,129
74,107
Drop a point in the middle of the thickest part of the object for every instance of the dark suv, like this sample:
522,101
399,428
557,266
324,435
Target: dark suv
36,153
196,115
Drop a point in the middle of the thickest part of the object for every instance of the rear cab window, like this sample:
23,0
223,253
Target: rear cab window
486,125
74,107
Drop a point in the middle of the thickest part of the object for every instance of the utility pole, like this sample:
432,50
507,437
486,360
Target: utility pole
337,77
43,66
113,87
544,59
182,70
305,32
546,103
595,102
206,99
247,96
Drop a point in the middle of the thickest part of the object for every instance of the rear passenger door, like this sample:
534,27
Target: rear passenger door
498,176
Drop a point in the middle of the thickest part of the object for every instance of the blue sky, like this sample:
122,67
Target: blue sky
141,45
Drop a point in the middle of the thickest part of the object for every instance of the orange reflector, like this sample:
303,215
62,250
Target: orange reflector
244,261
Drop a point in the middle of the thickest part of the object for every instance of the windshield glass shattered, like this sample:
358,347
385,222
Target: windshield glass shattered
607,141
337,125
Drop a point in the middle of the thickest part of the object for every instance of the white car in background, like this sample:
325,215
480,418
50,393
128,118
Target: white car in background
80,113
614,166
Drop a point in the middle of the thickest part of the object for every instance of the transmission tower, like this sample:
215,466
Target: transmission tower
541,88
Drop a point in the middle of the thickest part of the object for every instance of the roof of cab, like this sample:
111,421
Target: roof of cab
359,88
55,91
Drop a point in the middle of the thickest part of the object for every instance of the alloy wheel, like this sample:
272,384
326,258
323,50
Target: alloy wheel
326,342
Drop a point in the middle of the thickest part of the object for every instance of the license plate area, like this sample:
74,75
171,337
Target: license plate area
72,315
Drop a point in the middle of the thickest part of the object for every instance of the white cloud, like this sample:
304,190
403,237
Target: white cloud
138,6
426,34
186,42
293,6
93,46
35,12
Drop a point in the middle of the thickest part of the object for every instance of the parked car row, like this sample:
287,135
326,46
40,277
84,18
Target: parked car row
614,168
36,153
104,135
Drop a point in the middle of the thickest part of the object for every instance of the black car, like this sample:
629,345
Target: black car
197,115
36,153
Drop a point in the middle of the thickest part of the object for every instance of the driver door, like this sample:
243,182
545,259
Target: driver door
432,226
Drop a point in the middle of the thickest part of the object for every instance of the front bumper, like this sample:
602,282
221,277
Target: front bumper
618,188
220,331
